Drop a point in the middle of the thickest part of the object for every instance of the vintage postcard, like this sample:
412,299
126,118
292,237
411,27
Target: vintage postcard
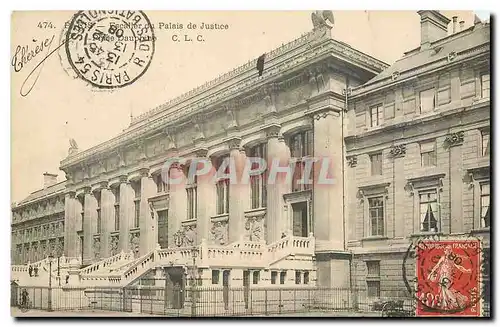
250,163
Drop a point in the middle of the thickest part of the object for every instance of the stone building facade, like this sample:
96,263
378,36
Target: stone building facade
409,147
38,223
418,151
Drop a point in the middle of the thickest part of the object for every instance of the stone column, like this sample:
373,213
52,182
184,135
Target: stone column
126,213
177,208
276,152
205,202
455,179
107,220
89,220
328,207
236,209
147,223
71,221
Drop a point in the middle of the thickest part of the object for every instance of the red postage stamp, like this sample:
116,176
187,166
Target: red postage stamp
449,278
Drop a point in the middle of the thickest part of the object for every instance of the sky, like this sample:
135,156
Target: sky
60,107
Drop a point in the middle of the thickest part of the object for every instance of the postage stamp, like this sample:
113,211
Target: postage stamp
448,277
110,48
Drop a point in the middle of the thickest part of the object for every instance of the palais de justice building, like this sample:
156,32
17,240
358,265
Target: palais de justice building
409,145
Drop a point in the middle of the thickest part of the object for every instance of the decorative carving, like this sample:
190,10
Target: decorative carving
102,167
322,19
60,246
141,148
114,245
170,133
73,147
454,139
254,227
452,55
96,248
395,76
121,158
185,236
135,244
69,176
234,143
352,161
269,92
231,119
219,232
273,131
322,114
398,150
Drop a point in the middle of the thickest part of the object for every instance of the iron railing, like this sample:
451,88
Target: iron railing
223,301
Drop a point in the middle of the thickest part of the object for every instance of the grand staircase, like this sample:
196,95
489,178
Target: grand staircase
122,269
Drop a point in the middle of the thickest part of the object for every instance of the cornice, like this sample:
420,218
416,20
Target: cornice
429,67
292,56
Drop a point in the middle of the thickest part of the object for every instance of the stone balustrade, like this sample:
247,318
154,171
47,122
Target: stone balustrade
123,269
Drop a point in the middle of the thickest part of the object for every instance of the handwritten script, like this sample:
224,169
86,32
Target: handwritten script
25,54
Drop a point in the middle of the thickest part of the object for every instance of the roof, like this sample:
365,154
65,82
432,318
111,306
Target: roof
466,39
43,193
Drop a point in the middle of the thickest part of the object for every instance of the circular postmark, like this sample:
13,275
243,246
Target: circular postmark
110,48
446,279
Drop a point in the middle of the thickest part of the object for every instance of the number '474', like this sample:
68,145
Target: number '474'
45,25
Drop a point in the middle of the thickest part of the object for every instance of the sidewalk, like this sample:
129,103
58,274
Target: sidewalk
15,312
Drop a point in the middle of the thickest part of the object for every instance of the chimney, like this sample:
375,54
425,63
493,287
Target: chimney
462,25
433,26
454,24
49,179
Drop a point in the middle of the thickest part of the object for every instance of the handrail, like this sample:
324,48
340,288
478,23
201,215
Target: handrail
104,263
240,253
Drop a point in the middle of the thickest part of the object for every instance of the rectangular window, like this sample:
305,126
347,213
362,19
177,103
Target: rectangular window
136,186
300,219
485,85
192,198
222,187
258,183
301,147
137,213
116,192
485,204
427,100
282,277
373,288
306,277
98,220
215,277
428,154
377,115
376,164
161,185
373,268
255,277
376,210
301,144
298,276
485,143
274,277
117,217
428,211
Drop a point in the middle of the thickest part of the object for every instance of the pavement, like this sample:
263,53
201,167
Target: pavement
17,313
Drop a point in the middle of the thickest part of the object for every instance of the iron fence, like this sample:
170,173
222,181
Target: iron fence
221,301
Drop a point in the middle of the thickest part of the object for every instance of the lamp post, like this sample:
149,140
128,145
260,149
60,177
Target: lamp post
49,300
194,254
